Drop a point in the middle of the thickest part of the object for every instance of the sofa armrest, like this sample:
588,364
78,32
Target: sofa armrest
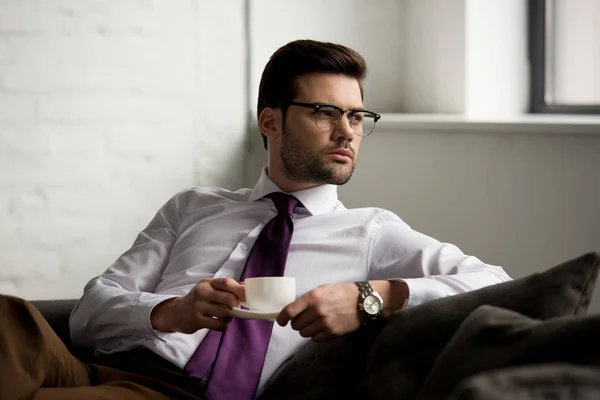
56,313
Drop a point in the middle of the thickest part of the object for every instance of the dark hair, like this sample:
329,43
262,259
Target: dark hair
301,57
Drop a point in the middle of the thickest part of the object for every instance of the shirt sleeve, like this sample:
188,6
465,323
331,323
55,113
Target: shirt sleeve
431,269
118,303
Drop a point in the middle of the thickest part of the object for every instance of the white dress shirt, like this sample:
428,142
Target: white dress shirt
208,232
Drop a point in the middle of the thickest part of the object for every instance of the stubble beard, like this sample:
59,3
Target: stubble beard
301,166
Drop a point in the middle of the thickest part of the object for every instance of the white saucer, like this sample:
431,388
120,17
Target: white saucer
249,314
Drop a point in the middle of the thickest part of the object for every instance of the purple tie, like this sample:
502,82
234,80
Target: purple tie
234,359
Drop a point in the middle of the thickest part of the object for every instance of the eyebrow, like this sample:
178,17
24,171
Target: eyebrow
322,103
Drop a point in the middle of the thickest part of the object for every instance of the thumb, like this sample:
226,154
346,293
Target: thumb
241,292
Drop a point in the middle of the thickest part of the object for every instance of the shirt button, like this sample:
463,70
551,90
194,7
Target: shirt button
243,247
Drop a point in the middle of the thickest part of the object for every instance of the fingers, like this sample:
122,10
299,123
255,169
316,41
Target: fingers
231,286
222,298
312,329
215,310
310,325
324,313
208,305
303,320
213,316
212,323
224,291
292,310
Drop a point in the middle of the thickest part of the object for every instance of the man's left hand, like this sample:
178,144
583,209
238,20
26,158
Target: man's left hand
324,313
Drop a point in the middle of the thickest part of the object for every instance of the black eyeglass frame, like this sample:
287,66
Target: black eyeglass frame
317,107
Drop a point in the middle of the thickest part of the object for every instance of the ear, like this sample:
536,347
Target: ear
269,123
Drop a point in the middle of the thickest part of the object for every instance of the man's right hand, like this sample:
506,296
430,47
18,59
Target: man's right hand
207,305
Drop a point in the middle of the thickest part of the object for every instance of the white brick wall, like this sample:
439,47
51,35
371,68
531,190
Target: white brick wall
106,110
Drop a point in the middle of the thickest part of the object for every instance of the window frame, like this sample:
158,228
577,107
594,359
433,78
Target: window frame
537,54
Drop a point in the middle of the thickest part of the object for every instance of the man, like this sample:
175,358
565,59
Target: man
173,292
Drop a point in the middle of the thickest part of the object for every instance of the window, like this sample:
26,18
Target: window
565,56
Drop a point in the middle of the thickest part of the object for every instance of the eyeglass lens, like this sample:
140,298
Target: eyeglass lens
362,123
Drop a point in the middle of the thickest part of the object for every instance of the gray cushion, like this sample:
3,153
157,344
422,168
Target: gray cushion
493,337
406,349
538,382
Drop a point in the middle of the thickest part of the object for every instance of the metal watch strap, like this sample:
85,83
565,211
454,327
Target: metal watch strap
365,288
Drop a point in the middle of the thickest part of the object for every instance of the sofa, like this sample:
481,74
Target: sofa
530,338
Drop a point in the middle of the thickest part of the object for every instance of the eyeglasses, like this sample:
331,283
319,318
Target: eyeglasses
328,116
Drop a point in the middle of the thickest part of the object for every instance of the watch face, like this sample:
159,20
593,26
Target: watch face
372,305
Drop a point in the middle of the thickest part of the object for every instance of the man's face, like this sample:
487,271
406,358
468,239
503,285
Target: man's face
310,154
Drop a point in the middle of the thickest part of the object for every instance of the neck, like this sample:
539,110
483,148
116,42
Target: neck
286,184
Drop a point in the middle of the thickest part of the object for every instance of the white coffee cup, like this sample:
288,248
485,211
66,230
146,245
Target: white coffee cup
269,294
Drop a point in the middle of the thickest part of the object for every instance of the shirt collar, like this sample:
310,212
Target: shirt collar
316,200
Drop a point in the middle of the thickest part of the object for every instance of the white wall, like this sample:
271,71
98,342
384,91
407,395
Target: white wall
433,63
576,52
522,201
107,109
496,59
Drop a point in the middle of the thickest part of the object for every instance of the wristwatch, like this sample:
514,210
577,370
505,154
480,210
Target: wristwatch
370,301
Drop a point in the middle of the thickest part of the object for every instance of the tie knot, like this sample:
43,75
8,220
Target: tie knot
284,202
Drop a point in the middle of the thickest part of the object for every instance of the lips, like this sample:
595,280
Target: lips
342,152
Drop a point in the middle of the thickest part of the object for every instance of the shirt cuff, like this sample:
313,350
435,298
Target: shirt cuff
421,290
140,316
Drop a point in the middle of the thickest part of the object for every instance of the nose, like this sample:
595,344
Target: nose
343,130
